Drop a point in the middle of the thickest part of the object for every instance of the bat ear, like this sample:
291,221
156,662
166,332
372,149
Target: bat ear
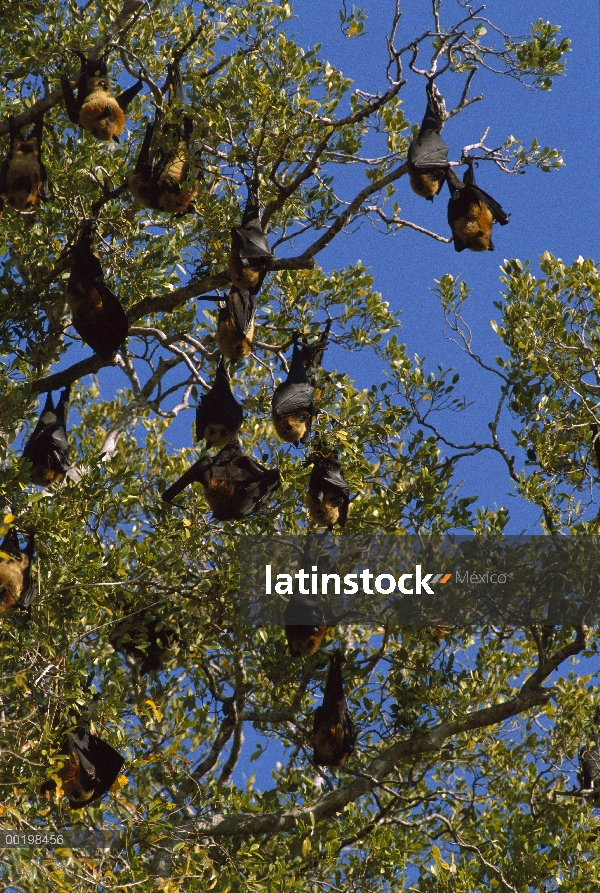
116,139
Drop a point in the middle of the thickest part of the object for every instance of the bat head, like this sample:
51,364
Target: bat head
218,435
293,427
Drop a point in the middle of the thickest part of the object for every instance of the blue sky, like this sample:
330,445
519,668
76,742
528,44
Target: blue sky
549,211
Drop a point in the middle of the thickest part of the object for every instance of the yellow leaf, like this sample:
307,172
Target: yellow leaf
306,847
157,712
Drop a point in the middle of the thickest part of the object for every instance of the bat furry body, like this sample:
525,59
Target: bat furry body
98,317
250,256
96,109
334,735
292,407
472,213
428,153
16,588
163,165
91,768
589,765
235,486
328,494
48,448
219,415
235,325
23,178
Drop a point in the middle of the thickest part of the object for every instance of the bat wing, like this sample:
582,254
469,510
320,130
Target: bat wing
45,186
302,610
199,472
289,398
242,307
105,329
257,493
124,98
218,406
4,173
428,151
500,215
250,242
71,104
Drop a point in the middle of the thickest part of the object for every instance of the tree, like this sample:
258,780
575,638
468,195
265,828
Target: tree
442,785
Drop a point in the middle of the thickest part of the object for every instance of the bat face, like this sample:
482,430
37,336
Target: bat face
305,639
101,115
325,513
427,183
217,435
43,475
233,344
474,226
243,275
293,427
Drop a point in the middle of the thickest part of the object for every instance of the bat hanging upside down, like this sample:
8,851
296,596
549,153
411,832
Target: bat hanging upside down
163,166
96,109
16,588
472,212
292,407
305,624
219,416
334,734
48,448
98,317
428,153
91,768
23,178
235,486
250,256
328,494
235,325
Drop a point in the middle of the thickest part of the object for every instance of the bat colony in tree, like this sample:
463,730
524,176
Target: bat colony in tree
235,485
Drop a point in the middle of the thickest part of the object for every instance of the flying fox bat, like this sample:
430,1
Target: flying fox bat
428,153
304,624
292,407
328,493
334,734
589,765
91,768
163,165
235,486
472,212
16,588
129,634
235,326
250,256
96,109
48,448
23,178
218,415
98,317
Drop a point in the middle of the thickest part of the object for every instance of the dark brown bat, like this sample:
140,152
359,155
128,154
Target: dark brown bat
472,212
91,768
304,624
235,326
129,635
16,588
163,166
98,317
334,735
23,178
235,486
250,256
48,448
219,416
95,108
428,153
292,407
328,494
589,765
